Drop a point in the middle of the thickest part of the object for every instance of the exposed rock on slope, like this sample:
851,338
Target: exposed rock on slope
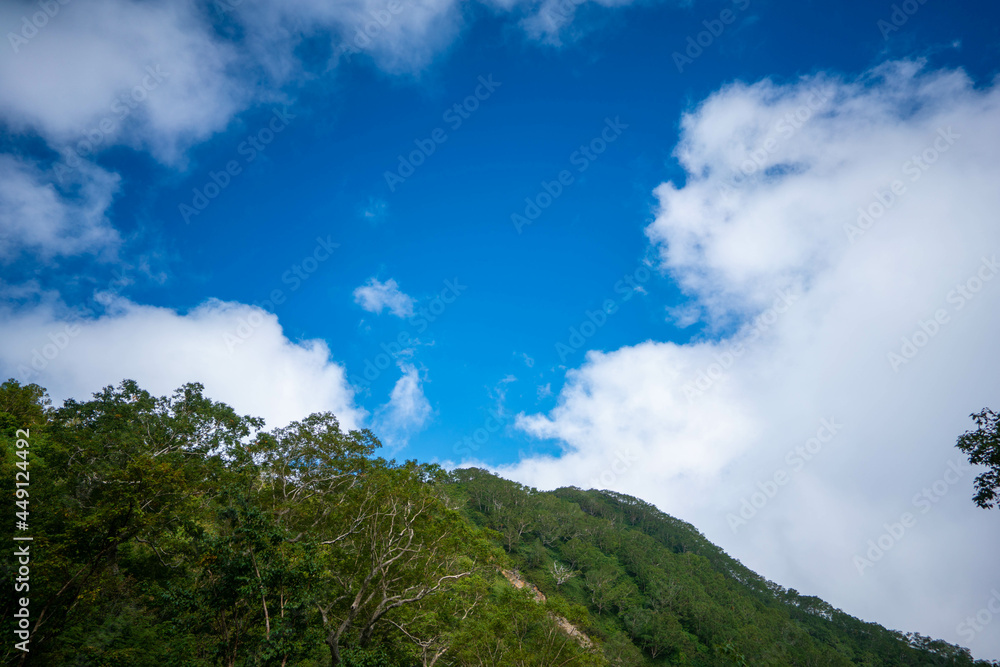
516,580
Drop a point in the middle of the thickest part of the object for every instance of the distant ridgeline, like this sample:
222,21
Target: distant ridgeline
173,531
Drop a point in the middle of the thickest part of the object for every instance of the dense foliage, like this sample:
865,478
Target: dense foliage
173,531
983,447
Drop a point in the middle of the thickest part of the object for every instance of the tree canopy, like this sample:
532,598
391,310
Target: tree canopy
982,445
174,531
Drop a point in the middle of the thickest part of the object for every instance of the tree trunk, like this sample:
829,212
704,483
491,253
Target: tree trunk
334,643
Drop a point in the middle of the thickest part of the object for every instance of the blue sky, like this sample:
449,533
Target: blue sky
240,152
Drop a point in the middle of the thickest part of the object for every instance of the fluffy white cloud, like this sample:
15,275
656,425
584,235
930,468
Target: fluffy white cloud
153,76
110,72
37,217
407,410
401,37
848,228
374,296
163,76
238,352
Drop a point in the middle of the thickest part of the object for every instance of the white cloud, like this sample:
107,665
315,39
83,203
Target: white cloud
697,428
147,75
407,410
684,316
401,37
161,77
165,75
35,216
374,296
238,352
153,73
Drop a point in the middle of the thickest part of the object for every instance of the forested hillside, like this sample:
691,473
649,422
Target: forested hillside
173,531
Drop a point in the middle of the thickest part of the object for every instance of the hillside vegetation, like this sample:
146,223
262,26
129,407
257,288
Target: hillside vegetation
173,531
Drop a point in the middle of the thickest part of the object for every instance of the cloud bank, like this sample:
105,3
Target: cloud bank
846,230
238,352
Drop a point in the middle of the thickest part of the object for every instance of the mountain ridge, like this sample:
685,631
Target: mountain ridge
627,513
173,532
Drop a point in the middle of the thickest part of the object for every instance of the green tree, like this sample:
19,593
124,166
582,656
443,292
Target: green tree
22,406
514,630
983,448
384,537
110,476
171,532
